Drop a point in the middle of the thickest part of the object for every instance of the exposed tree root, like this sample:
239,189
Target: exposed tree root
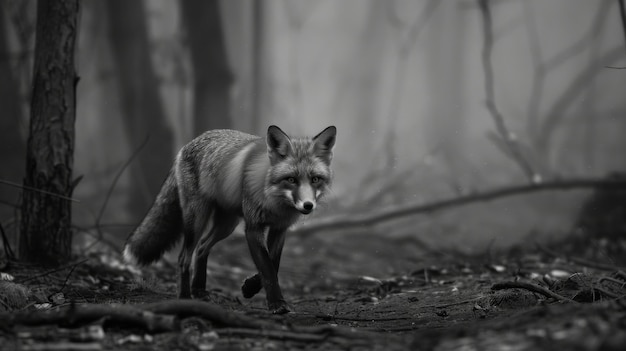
164,316
81,314
209,311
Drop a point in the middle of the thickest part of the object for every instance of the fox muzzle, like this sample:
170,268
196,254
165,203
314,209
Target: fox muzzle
305,199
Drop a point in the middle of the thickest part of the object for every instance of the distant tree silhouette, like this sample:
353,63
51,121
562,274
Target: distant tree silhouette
138,88
211,73
12,145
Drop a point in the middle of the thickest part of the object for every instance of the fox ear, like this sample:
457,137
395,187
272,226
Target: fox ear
278,143
324,142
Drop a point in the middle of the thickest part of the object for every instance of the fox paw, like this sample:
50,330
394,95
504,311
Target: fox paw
278,307
251,286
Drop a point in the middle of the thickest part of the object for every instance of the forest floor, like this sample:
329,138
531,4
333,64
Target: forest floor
354,291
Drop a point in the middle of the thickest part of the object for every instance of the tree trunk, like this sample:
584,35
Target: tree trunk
46,236
212,75
141,104
12,144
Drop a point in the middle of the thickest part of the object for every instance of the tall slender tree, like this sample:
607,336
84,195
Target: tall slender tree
12,143
46,235
141,104
211,72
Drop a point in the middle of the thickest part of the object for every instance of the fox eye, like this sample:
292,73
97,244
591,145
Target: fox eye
315,180
291,180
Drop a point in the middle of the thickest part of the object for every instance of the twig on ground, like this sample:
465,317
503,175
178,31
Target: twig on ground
474,299
6,307
621,283
605,292
67,277
271,334
358,319
531,287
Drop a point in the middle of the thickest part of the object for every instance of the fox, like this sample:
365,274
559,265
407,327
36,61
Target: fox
222,177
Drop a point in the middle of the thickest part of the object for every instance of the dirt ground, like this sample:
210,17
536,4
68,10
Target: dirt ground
356,291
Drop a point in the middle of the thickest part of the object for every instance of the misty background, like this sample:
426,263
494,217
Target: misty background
403,81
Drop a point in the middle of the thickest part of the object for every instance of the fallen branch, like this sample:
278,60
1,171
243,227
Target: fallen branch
240,324
80,314
206,310
531,287
345,221
165,316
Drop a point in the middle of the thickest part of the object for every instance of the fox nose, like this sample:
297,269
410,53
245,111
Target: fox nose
308,206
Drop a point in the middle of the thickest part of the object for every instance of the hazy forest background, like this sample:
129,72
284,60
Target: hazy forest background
403,81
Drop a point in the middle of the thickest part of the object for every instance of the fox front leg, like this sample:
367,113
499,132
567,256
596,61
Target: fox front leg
275,242
268,276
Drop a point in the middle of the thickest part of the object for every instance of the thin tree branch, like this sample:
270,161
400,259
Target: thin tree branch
117,177
507,136
600,19
26,187
539,72
359,220
119,173
71,265
578,85
405,46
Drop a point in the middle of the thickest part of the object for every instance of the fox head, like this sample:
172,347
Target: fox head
300,170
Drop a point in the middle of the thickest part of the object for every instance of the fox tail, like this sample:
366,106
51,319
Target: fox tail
160,230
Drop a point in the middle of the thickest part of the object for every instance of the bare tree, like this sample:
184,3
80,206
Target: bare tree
46,236
141,104
212,75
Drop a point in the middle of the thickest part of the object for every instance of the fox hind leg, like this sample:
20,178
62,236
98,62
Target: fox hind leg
196,214
220,227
